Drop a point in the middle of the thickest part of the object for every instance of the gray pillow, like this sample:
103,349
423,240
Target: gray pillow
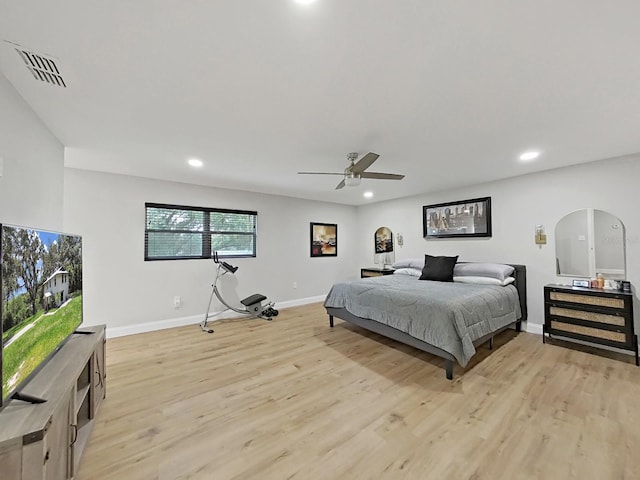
439,269
493,270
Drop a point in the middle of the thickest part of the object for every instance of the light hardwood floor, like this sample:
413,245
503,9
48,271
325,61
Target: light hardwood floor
293,398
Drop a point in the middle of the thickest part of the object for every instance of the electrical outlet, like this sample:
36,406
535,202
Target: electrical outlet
177,301
295,284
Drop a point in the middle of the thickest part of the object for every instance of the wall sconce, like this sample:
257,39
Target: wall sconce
540,237
400,239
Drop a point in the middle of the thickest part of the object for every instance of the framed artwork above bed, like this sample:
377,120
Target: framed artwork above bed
464,218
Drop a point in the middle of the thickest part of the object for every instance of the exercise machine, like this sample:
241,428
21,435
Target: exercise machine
252,305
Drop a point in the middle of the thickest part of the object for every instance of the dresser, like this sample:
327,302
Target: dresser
375,272
598,316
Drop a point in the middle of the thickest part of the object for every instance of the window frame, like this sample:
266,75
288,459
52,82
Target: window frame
206,231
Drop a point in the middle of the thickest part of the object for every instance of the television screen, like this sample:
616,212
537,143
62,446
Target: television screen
41,305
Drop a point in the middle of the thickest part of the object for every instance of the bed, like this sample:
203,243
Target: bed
446,319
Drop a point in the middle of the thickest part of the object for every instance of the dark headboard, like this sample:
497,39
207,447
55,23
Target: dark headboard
520,274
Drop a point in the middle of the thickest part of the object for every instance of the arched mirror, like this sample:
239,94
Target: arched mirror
589,242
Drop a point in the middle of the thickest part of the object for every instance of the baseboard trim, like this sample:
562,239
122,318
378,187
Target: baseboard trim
300,301
535,328
113,332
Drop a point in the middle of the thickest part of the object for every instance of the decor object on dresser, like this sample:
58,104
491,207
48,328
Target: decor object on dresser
465,218
589,242
324,239
447,319
597,316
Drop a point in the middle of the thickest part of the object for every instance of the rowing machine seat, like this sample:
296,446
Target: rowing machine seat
253,299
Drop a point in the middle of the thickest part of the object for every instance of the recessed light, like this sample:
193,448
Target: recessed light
194,162
367,194
529,156
305,2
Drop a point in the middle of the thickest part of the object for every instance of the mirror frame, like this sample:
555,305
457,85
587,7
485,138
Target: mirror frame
591,267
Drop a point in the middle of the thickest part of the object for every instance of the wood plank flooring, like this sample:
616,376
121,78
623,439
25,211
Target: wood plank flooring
295,399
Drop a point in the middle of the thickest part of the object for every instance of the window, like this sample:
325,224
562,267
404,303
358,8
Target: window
175,232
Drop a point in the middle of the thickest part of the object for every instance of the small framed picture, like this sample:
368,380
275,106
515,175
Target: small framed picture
324,240
581,283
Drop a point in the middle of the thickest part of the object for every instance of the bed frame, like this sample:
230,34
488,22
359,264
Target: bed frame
520,274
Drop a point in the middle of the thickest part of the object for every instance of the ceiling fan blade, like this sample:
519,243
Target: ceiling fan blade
340,185
365,162
319,173
382,176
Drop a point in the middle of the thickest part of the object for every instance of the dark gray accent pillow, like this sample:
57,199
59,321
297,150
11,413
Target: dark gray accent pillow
439,269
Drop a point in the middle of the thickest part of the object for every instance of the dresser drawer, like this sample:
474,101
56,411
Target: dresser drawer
560,328
615,302
600,318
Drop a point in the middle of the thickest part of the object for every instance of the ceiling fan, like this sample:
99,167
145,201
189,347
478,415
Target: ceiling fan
356,171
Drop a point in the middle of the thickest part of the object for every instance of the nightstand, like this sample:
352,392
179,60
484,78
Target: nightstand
593,315
375,272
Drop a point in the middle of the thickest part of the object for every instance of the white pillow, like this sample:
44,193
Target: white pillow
410,263
414,272
484,280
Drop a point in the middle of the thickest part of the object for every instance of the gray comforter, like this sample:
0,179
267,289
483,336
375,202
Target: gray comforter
448,315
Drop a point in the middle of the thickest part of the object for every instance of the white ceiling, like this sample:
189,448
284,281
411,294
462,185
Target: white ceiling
449,93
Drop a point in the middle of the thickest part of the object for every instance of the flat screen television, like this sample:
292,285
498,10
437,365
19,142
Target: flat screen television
41,305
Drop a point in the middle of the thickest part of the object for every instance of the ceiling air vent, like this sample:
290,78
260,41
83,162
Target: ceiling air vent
42,68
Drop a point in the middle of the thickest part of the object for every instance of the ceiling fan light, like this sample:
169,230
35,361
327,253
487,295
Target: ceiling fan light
352,180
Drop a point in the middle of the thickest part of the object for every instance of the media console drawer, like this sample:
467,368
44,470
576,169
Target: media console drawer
602,317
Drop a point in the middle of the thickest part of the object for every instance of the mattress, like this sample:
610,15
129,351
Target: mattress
448,315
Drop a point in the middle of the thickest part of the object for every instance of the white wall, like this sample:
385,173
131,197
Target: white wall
33,163
123,291
518,205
